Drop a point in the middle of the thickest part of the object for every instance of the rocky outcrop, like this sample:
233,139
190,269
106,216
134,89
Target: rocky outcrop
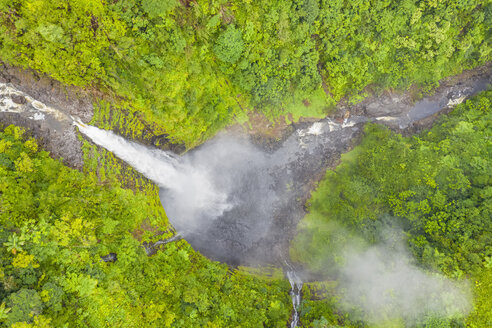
396,110
71,100
45,107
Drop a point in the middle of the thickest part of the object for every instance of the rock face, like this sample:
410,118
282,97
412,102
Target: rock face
18,99
61,143
396,110
111,257
44,107
388,105
245,237
59,139
70,100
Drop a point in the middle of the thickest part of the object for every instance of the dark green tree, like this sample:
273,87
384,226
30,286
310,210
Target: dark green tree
24,305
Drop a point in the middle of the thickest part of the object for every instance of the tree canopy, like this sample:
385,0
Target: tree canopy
434,186
195,66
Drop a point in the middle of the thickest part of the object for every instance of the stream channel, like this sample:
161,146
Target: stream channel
230,199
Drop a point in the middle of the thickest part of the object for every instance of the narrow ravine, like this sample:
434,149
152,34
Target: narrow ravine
230,199
295,293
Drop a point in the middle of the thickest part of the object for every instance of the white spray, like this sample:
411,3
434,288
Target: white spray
183,180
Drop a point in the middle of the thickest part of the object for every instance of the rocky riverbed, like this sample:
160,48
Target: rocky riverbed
44,106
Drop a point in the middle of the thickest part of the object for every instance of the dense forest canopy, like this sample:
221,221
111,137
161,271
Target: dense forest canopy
58,224
195,66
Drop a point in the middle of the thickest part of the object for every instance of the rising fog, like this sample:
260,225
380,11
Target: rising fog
387,285
219,196
384,282
234,168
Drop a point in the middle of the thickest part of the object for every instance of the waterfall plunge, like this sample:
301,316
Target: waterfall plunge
190,186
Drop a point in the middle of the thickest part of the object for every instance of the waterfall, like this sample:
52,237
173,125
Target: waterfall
295,292
191,185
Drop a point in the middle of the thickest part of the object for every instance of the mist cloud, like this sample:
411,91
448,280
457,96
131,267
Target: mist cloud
386,284
236,169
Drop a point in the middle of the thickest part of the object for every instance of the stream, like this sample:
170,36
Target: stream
295,291
228,198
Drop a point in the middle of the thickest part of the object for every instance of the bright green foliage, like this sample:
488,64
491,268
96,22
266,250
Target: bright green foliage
394,44
56,223
436,186
62,38
320,307
229,45
194,66
482,314
155,8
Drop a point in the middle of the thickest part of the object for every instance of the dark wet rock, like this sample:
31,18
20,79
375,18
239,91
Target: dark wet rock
299,161
151,248
176,237
406,107
302,157
268,194
111,257
60,137
18,99
388,105
57,136
61,142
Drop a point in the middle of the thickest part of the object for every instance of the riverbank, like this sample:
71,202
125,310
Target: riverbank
60,137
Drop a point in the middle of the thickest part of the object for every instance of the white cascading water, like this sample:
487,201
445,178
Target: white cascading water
185,180
167,170
295,293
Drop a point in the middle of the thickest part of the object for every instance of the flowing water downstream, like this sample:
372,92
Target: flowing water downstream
228,198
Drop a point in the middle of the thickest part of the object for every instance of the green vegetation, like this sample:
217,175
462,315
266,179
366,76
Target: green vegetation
318,307
193,67
482,313
435,186
56,223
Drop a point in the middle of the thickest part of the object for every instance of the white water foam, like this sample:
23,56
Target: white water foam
31,106
316,129
295,291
